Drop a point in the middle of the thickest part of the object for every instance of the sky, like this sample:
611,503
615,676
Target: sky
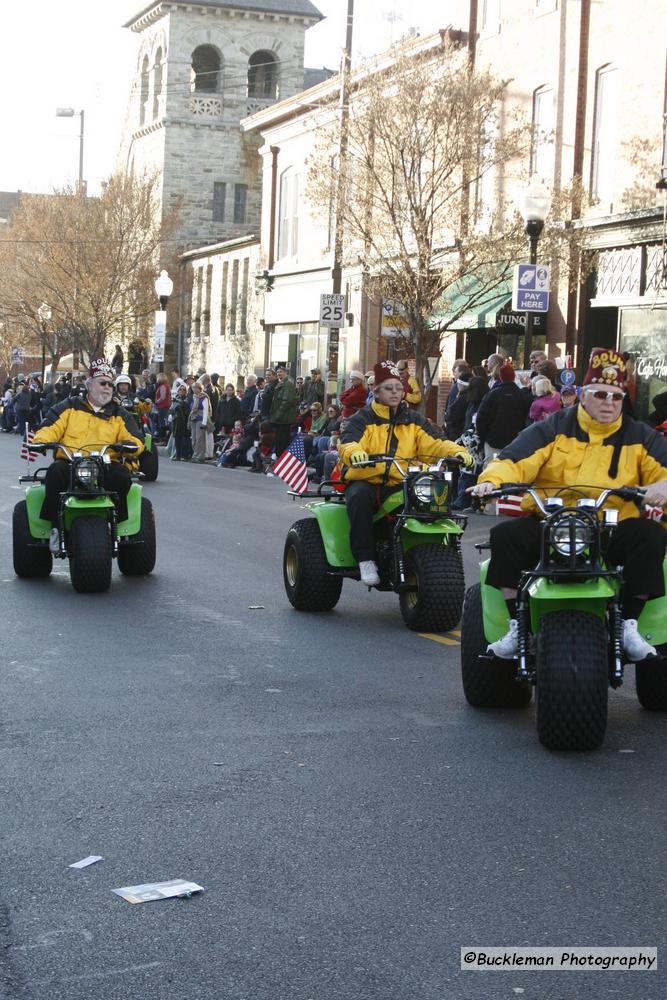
82,58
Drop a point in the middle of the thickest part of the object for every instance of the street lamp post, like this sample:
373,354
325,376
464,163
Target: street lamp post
534,208
45,314
71,113
164,286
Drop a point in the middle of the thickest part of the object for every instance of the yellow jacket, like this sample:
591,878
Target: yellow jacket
408,437
75,424
413,394
570,448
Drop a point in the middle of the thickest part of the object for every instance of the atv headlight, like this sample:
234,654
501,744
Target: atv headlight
422,489
86,474
571,530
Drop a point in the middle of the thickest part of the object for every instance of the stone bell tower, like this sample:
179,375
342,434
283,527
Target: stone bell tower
202,66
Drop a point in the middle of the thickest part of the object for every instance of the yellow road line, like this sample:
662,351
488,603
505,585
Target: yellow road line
439,638
454,631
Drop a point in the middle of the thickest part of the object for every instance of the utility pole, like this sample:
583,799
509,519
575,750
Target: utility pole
337,269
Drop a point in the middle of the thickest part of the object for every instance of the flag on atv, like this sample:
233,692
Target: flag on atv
291,466
29,456
510,505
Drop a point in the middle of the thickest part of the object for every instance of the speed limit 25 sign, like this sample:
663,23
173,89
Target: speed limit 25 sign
332,310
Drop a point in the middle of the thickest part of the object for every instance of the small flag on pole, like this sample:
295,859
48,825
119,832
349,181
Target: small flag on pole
29,456
291,466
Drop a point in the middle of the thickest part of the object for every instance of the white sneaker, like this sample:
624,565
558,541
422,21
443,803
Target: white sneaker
507,647
54,542
635,646
369,573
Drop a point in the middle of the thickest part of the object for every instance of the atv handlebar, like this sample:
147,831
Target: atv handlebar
390,460
631,493
123,446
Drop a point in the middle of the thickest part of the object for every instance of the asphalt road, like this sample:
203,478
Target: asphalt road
353,821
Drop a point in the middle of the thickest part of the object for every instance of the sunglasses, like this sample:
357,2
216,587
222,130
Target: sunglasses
107,385
615,397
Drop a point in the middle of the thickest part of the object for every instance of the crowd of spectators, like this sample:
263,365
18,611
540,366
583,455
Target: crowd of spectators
201,420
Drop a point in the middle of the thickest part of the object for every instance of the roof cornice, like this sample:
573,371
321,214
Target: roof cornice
160,8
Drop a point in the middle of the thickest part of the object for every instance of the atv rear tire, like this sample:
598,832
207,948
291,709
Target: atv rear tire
30,561
90,556
651,681
305,569
148,463
572,681
437,573
136,557
486,683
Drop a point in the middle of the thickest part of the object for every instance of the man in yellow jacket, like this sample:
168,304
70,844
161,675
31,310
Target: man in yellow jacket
591,446
83,422
412,392
387,427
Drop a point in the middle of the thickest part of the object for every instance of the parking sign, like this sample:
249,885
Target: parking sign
530,289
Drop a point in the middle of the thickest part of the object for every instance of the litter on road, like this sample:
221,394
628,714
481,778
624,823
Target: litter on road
91,860
150,891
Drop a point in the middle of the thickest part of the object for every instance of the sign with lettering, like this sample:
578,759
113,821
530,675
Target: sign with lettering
394,321
332,310
18,356
159,335
530,288
651,367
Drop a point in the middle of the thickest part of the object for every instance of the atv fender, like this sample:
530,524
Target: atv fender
652,622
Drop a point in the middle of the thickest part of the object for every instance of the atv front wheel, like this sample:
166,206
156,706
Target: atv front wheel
435,575
136,557
308,585
486,683
651,681
90,556
148,463
572,681
30,561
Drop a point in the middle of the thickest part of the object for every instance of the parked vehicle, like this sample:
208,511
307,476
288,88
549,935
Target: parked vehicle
417,543
90,534
569,625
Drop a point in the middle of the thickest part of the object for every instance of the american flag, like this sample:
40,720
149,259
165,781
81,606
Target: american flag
510,505
291,466
29,456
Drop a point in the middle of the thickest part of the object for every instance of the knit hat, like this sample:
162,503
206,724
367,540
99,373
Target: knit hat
606,367
506,372
384,370
101,368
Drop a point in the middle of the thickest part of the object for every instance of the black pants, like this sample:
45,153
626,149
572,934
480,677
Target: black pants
362,500
636,544
116,479
283,434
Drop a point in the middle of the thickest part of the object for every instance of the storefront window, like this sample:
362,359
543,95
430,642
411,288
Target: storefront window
643,334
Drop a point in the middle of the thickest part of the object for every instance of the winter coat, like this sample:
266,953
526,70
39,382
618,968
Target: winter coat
76,425
284,405
228,412
543,406
248,401
314,392
267,399
407,436
412,392
501,415
353,399
572,449
163,397
455,418
180,411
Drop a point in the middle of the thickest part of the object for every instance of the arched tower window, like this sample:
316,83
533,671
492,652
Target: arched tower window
144,90
263,75
157,83
205,72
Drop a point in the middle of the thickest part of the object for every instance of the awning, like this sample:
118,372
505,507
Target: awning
482,315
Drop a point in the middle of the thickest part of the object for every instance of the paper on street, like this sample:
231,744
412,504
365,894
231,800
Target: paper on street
157,890
87,861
